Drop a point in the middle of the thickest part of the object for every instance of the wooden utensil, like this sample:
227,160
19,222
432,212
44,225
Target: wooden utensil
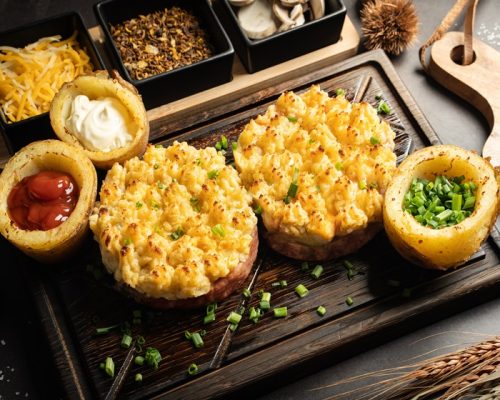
469,68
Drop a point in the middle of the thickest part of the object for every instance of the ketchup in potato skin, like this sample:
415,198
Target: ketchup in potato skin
43,201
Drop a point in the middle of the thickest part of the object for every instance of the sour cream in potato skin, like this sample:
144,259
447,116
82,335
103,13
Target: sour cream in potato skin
99,125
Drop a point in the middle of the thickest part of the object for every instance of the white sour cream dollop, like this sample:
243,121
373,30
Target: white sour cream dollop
100,125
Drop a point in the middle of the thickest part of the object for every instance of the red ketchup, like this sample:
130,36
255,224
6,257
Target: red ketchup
43,201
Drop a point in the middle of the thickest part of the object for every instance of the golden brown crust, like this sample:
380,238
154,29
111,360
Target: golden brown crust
221,288
340,246
55,244
99,84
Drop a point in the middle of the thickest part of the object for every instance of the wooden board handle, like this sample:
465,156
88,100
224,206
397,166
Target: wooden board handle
477,83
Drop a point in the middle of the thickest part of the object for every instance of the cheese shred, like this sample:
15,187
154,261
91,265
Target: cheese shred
30,77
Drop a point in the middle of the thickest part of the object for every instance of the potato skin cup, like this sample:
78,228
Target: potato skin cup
451,246
96,85
58,243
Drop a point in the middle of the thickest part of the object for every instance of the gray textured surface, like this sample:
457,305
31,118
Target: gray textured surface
25,366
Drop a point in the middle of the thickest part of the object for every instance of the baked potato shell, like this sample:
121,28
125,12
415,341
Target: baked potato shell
451,246
55,244
98,85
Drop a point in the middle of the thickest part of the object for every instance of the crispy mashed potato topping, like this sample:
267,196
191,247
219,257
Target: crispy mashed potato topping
173,223
339,154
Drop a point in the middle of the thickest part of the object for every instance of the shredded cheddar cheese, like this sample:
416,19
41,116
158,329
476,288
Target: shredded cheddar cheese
30,77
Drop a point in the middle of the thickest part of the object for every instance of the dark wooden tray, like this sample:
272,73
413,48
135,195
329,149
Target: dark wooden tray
72,303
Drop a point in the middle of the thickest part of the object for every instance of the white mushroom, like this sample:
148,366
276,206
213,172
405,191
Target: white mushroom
318,8
296,12
282,14
241,3
257,20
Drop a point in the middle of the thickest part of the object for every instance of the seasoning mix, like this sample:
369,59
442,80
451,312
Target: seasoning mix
161,41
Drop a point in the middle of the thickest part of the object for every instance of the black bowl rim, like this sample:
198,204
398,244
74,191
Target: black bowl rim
3,119
138,82
275,36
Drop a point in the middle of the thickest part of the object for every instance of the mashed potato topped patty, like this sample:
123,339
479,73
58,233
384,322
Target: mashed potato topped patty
173,223
337,154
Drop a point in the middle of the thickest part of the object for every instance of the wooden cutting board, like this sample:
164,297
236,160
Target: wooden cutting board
388,292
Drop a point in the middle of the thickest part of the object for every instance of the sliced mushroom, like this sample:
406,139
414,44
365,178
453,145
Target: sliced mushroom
241,3
282,13
296,12
318,8
256,19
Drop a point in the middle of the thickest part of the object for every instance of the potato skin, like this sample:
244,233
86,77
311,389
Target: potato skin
451,246
95,85
55,244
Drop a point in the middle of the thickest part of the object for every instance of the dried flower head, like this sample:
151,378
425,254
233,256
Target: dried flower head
391,25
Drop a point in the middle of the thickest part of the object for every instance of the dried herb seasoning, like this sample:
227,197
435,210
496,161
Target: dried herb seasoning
161,41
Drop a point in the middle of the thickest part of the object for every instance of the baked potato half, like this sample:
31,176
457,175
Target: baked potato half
450,246
55,244
96,86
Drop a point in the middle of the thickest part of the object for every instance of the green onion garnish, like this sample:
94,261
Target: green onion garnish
177,233
193,369
140,340
292,119
211,308
102,365
362,185
197,340
138,377
138,204
253,314
374,140
156,166
301,290
234,145
188,335
107,329
305,266
383,108
208,318
234,318
280,312
233,327
127,242
378,96
195,203
218,230
317,271
139,360
265,302
340,92
339,166
109,367
152,357
349,301
126,341
321,311
224,143
158,146
218,145
258,210
213,174
246,293
283,283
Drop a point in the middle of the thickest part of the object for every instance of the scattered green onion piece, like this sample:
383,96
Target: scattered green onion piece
138,377
127,242
305,266
383,108
156,166
152,357
213,174
139,360
301,290
349,301
138,204
233,327
207,319
374,140
211,308
280,312
158,146
362,185
469,202
340,92
224,143
197,340
283,283
317,271
107,329
102,365
177,233
266,296
188,335
126,341
193,369
292,190
292,119
234,318
246,293
218,230
234,145
218,146
258,210
253,314
339,166
286,200
264,305
140,340
378,96
109,367
321,310
195,203
275,284
456,202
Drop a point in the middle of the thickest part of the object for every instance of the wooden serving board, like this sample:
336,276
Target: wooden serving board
388,293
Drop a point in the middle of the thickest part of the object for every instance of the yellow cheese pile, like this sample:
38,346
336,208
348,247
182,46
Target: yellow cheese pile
30,77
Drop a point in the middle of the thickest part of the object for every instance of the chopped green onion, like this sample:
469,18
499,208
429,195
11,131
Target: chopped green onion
266,296
126,341
286,200
107,329
456,202
317,271
127,242
340,92
292,119
152,357
218,146
362,185
223,141
218,230
469,202
234,145
378,96
234,318
188,335
349,301
213,174
280,312
321,310
301,290
193,369
275,284
292,190
374,140
253,315
195,203
211,308
246,293
158,146
265,302
197,340
339,166
208,318
102,365
156,166
177,233
258,210
383,108
109,367
138,204
233,327
138,377
139,360
283,283
141,340
305,266
197,161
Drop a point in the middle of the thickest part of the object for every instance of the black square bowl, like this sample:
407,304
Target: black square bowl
182,81
279,47
19,134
